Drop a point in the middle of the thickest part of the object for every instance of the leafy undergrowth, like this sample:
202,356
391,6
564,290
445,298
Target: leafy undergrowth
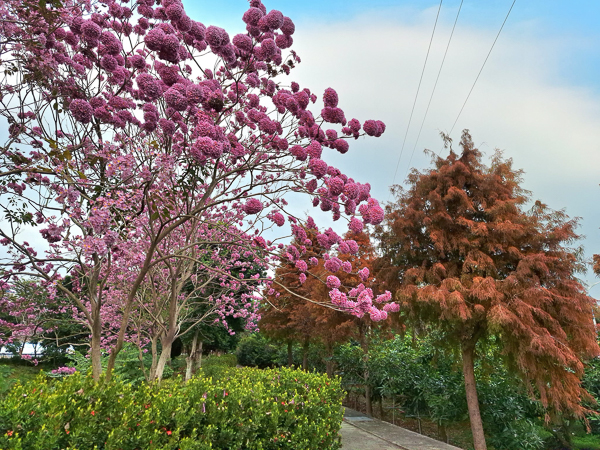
10,374
588,442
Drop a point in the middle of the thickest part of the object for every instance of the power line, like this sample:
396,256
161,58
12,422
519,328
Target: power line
481,70
417,94
434,86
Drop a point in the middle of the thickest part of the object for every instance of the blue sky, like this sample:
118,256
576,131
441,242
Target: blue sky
538,98
576,20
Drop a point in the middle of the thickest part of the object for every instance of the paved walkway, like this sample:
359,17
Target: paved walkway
360,432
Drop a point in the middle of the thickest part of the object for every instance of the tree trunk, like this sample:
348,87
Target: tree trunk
165,356
329,368
192,358
364,344
443,433
198,358
96,351
368,398
141,360
95,293
305,355
468,353
154,358
329,364
290,354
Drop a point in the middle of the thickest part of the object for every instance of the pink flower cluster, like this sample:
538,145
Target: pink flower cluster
362,304
64,371
333,282
253,206
374,127
82,111
371,212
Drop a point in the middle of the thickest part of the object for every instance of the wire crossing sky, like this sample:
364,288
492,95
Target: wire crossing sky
482,66
417,93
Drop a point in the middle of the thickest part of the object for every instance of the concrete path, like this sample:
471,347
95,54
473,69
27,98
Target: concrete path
360,432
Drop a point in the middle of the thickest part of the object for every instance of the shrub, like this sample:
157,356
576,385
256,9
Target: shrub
214,365
244,408
255,351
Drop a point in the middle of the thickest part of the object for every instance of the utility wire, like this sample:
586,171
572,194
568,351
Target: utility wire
481,70
434,86
417,94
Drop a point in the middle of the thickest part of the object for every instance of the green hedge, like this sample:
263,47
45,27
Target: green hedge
243,409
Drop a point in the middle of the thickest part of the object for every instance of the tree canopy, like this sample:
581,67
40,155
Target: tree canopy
462,253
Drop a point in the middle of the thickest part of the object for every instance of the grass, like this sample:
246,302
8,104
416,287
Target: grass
13,373
587,442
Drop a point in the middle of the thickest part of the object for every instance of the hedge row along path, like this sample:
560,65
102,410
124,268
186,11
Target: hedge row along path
360,432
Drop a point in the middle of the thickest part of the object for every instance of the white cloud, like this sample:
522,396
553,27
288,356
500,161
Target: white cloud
520,104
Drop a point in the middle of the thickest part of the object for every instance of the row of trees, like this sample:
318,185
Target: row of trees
467,261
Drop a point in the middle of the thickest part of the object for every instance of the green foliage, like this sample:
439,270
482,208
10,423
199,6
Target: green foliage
255,350
214,365
10,374
591,382
127,366
414,374
244,408
512,421
589,442
428,383
348,358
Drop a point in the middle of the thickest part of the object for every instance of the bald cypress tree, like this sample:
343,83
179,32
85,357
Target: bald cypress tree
464,254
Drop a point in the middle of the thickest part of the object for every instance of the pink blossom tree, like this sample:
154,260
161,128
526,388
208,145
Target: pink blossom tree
202,283
130,123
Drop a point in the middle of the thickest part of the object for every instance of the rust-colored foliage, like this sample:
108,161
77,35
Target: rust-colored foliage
288,315
337,326
461,252
303,312
284,315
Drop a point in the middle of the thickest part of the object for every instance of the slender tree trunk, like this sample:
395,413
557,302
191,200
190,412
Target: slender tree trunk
154,347
141,360
329,364
290,354
96,351
96,303
192,358
198,356
165,355
468,353
305,348
368,397
443,433
169,337
364,343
